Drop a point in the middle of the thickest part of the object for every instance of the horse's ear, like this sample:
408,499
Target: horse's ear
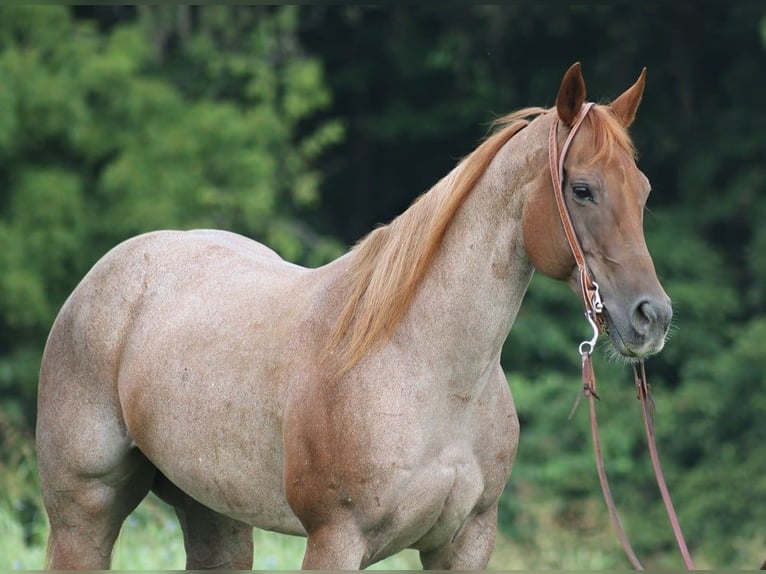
626,105
571,95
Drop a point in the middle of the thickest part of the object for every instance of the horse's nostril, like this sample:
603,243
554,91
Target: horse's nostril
648,313
644,316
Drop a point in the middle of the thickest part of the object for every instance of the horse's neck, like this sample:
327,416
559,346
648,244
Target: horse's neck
470,296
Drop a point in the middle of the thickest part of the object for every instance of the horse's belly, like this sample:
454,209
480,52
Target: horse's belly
222,448
247,488
260,502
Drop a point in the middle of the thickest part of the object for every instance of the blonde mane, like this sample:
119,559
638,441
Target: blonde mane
390,262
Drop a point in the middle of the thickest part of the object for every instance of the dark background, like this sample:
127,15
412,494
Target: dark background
305,126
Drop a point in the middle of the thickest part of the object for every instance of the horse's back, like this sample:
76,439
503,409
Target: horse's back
94,320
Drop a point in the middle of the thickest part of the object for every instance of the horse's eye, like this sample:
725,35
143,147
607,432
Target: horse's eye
582,192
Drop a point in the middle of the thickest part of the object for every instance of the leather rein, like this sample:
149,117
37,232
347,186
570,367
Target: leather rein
594,308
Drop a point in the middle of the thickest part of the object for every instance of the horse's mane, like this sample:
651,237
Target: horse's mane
389,263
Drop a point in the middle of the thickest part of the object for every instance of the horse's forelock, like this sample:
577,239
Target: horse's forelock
609,135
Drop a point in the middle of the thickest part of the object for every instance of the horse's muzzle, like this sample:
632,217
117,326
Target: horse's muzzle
643,331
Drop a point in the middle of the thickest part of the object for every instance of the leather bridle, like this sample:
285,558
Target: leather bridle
594,308
588,288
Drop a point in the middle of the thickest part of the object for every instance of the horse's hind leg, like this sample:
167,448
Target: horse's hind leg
211,540
86,509
214,541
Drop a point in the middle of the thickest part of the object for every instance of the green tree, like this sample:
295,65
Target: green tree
118,119
102,138
420,92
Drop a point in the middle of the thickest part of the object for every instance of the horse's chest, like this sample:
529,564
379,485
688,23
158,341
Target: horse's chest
432,503
462,487
463,478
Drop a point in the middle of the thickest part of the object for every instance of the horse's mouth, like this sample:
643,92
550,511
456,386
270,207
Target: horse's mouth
630,348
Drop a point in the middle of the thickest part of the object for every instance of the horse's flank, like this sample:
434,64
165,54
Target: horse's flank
390,262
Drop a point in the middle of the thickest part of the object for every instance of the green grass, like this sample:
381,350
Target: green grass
15,554
151,540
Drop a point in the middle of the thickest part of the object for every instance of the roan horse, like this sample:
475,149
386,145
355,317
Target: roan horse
362,403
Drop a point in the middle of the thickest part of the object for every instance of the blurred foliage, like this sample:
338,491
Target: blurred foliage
104,135
420,92
303,127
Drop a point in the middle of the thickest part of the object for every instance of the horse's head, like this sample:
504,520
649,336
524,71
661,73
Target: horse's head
605,193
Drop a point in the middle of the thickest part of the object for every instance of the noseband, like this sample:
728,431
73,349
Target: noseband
594,308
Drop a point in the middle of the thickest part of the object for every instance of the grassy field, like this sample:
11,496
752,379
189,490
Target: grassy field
151,540
552,535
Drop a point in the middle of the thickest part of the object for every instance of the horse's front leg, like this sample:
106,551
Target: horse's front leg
471,549
335,546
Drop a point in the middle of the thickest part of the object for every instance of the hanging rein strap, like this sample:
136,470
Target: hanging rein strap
644,394
593,313
589,389
593,309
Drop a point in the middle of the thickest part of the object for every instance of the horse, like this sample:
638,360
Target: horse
361,403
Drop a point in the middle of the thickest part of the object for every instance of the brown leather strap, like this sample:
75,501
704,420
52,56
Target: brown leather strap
644,394
589,388
593,308
588,288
